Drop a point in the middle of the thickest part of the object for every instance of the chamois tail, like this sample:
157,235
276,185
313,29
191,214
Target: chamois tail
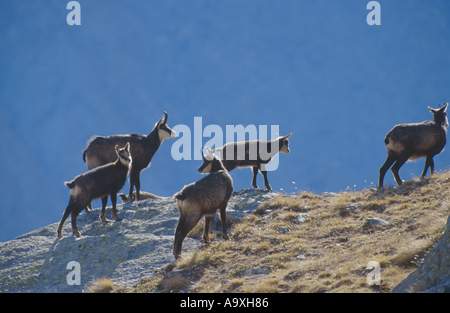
70,184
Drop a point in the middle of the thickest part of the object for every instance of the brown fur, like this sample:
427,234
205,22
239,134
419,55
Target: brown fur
416,140
100,151
100,182
203,198
144,195
253,153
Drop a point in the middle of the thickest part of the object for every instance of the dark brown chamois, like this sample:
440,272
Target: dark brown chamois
100,151
416,140
100,182
203,198
253,153
144,195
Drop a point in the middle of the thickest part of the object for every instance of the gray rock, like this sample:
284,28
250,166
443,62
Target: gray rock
433,276
348,209
283,229
301,218
125,251
376,221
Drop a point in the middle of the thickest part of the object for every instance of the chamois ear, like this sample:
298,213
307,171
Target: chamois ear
287,136
210,155
117,149
161,120
445,107
432,110
127,147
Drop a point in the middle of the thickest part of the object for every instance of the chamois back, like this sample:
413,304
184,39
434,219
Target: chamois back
415,140
100,150
99,182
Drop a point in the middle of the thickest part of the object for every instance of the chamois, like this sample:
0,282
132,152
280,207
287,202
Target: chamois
97,183
415,140
253,153
100,151
144,195
204,197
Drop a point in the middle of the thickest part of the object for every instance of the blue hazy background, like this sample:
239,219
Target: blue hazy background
315,68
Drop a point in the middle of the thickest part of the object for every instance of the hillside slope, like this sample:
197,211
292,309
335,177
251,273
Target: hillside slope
279,243
323,243
125,251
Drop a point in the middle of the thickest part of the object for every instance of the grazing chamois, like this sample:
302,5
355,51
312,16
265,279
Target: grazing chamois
100,182
415,140
144,195
253,153
100,151
203,198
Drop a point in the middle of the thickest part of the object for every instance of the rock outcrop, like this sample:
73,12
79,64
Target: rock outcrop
433,276
125,251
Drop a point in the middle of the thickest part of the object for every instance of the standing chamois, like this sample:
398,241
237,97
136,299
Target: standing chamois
416,140
253,153
100,151
203,198
97,183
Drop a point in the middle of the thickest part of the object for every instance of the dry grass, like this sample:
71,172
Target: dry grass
101,285
270,251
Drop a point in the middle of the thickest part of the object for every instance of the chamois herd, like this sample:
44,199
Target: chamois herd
111,159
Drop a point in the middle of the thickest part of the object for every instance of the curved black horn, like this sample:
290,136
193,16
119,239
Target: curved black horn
165,120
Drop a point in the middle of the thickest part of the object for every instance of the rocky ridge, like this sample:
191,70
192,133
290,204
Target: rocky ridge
125,251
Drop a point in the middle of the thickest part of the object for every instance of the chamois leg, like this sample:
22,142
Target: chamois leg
102,214
66,214
429,163
208,220
181,233
383,169
114,211
223,217
75,213
180,225
266,181
400,161
255,172
134,182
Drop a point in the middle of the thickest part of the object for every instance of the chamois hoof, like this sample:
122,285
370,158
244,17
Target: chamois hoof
103,218
117,218
206,240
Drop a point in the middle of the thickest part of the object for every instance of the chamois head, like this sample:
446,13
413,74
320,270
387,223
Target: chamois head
124,154
284,143
440,115
164,131
211,162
